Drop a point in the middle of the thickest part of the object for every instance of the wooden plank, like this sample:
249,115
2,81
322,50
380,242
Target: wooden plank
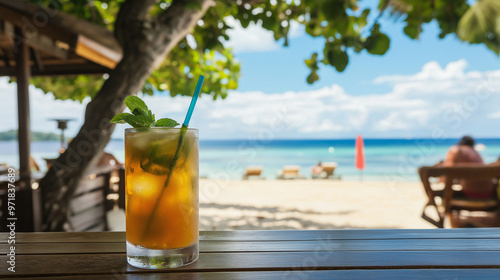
88,218
465,233
60,26
20,19
64,237
37,41
37,59
31,265
273,246
97,53
462,172
275,235
352,245
88,185
98,227
61,70
399,274
64,248
86,201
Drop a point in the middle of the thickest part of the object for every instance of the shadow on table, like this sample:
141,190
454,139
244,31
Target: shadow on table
247,217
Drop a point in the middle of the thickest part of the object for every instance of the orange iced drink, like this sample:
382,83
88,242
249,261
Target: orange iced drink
161,197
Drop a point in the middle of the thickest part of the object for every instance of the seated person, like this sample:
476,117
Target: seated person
316,171
463,154
33,165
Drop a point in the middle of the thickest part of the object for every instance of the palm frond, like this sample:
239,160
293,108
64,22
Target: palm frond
481,24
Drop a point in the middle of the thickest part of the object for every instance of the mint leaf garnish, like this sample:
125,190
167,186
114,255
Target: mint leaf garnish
120,118
137,106
166,122
139,121
134,121
141,116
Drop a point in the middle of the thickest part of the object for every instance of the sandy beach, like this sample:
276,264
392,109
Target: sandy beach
309,204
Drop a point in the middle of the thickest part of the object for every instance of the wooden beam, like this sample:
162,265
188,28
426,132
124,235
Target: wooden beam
97,53
37,59
5,57
59,70
11,11
23,109
55,24
6,42
38,41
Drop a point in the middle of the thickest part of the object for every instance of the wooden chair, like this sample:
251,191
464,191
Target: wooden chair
23,208
4,168
88,206
461,211
328,170
252,171
290,172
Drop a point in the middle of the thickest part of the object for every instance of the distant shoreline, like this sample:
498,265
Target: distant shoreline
56,137
11,135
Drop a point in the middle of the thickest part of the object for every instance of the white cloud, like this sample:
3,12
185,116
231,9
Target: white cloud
43,108
494,115
254,38
448,99
296,29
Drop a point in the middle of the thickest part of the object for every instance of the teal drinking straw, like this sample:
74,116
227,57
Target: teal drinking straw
177,151
193,101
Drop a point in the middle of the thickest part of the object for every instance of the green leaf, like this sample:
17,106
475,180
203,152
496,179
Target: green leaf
481,24
312,63
141,116
313,77
411,31
338,58
134,121
138,121
194,5
136,106
166,122
377,43
120,118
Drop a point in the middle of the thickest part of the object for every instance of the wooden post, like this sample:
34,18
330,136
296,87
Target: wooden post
23,107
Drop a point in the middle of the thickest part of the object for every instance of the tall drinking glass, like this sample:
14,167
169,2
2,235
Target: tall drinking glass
161,197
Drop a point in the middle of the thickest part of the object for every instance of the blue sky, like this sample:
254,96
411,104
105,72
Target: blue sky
417,89
283,69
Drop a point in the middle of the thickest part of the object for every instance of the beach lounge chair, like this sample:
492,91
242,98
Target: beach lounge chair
4,168
290,172
460,211
253,171
328,171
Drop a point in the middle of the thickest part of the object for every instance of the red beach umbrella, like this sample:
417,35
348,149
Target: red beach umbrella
359,157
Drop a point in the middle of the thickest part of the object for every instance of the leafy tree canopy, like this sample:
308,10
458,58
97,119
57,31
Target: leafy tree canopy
343,25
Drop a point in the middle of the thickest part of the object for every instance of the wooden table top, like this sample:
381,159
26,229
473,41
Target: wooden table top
315,254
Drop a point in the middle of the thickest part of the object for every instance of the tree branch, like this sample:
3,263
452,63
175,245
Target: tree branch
179,19
130,14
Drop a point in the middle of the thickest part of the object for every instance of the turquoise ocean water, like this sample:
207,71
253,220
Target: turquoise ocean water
386,159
